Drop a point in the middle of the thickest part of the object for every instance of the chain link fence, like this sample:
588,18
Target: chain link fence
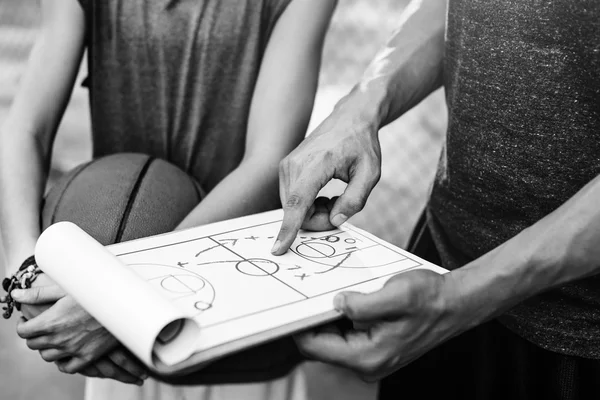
410,149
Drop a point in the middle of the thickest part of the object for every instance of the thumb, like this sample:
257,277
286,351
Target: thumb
357,192
356,306
389,302
38,294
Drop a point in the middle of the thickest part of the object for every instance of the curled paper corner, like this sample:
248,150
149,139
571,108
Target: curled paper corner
176,342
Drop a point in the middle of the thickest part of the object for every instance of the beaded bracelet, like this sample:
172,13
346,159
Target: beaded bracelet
22,279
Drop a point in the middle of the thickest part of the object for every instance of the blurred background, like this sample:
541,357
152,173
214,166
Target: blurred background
410,148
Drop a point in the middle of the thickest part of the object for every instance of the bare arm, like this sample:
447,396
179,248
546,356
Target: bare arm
560,248
407,69
345,146
279,114
27,134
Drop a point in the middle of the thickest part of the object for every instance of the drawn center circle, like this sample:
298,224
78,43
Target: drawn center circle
257,267
183,283
315,250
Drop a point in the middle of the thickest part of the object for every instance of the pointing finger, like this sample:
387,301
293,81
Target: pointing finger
295,208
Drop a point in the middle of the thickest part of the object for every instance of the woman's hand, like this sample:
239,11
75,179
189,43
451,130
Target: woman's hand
119,365
41,296
64,331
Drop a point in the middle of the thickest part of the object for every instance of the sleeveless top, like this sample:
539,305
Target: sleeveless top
174,79
522,82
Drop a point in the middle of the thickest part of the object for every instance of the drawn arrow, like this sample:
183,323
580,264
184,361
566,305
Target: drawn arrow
232,241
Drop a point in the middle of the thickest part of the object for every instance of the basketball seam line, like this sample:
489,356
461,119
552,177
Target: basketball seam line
53,217
134,191
197,188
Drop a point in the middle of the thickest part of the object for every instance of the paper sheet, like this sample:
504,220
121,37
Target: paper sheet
226,277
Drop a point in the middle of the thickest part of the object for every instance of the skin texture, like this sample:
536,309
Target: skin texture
53,323
418,310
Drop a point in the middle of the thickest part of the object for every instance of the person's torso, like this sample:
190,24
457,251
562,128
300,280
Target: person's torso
175,78
522,81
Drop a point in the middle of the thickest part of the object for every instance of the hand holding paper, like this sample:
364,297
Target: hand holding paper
119,299
41,296
67,331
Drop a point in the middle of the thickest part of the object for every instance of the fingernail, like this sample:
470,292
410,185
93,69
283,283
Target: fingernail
339,219
338,302
16,293
276,246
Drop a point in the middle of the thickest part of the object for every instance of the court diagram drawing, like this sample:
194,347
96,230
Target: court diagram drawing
228,275
183,287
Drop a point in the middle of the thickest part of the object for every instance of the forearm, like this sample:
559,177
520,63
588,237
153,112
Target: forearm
27,133
249,189
22,180
558,249
406,70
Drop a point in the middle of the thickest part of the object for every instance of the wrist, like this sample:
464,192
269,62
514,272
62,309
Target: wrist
492,284
15,257
16,249
366,107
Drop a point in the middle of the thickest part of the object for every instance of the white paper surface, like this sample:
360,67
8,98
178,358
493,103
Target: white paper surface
225,275
133,311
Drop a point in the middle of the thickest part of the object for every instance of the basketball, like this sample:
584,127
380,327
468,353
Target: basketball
122,197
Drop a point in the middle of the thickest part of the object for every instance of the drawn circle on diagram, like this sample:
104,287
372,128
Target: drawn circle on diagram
188,289
315,249
257,267
202,305
350,241
183,284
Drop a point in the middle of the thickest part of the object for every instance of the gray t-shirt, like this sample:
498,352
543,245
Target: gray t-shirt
522,82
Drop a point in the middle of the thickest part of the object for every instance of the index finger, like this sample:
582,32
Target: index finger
295,206
43,324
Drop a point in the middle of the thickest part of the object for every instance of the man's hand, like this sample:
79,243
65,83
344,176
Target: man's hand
64,331
343,147
414,312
